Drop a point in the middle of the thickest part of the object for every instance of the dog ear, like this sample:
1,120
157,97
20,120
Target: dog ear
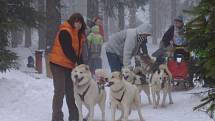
87,67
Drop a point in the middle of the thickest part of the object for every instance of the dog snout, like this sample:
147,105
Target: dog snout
106,79
76,76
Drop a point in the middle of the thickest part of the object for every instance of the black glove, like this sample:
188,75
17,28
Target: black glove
80,60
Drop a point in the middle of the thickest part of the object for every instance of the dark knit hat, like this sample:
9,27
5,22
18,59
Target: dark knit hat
179,18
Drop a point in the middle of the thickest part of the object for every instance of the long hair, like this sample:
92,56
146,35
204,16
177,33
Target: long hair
78,17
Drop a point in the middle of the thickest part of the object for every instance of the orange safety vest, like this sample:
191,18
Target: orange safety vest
57,55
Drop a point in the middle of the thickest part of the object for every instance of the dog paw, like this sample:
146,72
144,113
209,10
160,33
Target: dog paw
171,102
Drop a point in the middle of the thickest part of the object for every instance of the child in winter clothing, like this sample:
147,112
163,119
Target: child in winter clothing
95,37
98,21
95,41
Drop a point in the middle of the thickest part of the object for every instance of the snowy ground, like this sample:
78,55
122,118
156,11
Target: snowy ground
25,98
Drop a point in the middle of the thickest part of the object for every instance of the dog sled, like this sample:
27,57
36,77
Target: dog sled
180,71
178,64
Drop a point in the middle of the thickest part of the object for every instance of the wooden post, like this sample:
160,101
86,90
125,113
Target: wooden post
48,70
39,56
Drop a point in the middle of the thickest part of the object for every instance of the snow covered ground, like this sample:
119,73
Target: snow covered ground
27,96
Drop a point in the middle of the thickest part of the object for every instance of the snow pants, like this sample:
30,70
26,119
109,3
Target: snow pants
63,85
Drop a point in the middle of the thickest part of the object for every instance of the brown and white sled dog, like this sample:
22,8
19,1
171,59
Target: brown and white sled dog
137,80
146,63
123,95
86,92
161,80
101,77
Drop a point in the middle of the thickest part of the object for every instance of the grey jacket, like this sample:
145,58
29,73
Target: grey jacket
123,44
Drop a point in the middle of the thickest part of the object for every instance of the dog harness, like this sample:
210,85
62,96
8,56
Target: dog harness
119,100
165,79
84,93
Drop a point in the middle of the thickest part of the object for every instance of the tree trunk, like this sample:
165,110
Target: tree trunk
53,15
20,36
92,11
132,14
112,25
158,19
106,28
42,26
27,36
27,31
53,21
105,18
121,15
173,10
14,41
16,37
153,17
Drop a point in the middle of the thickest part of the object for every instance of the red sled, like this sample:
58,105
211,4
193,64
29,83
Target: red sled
179,70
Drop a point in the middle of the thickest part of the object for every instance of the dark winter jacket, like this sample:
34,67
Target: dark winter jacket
168,36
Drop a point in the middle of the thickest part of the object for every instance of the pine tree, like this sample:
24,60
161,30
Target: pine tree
14,14
201,36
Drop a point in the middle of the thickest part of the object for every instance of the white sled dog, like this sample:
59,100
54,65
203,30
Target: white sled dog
161,80
137,80
123,95
86,92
